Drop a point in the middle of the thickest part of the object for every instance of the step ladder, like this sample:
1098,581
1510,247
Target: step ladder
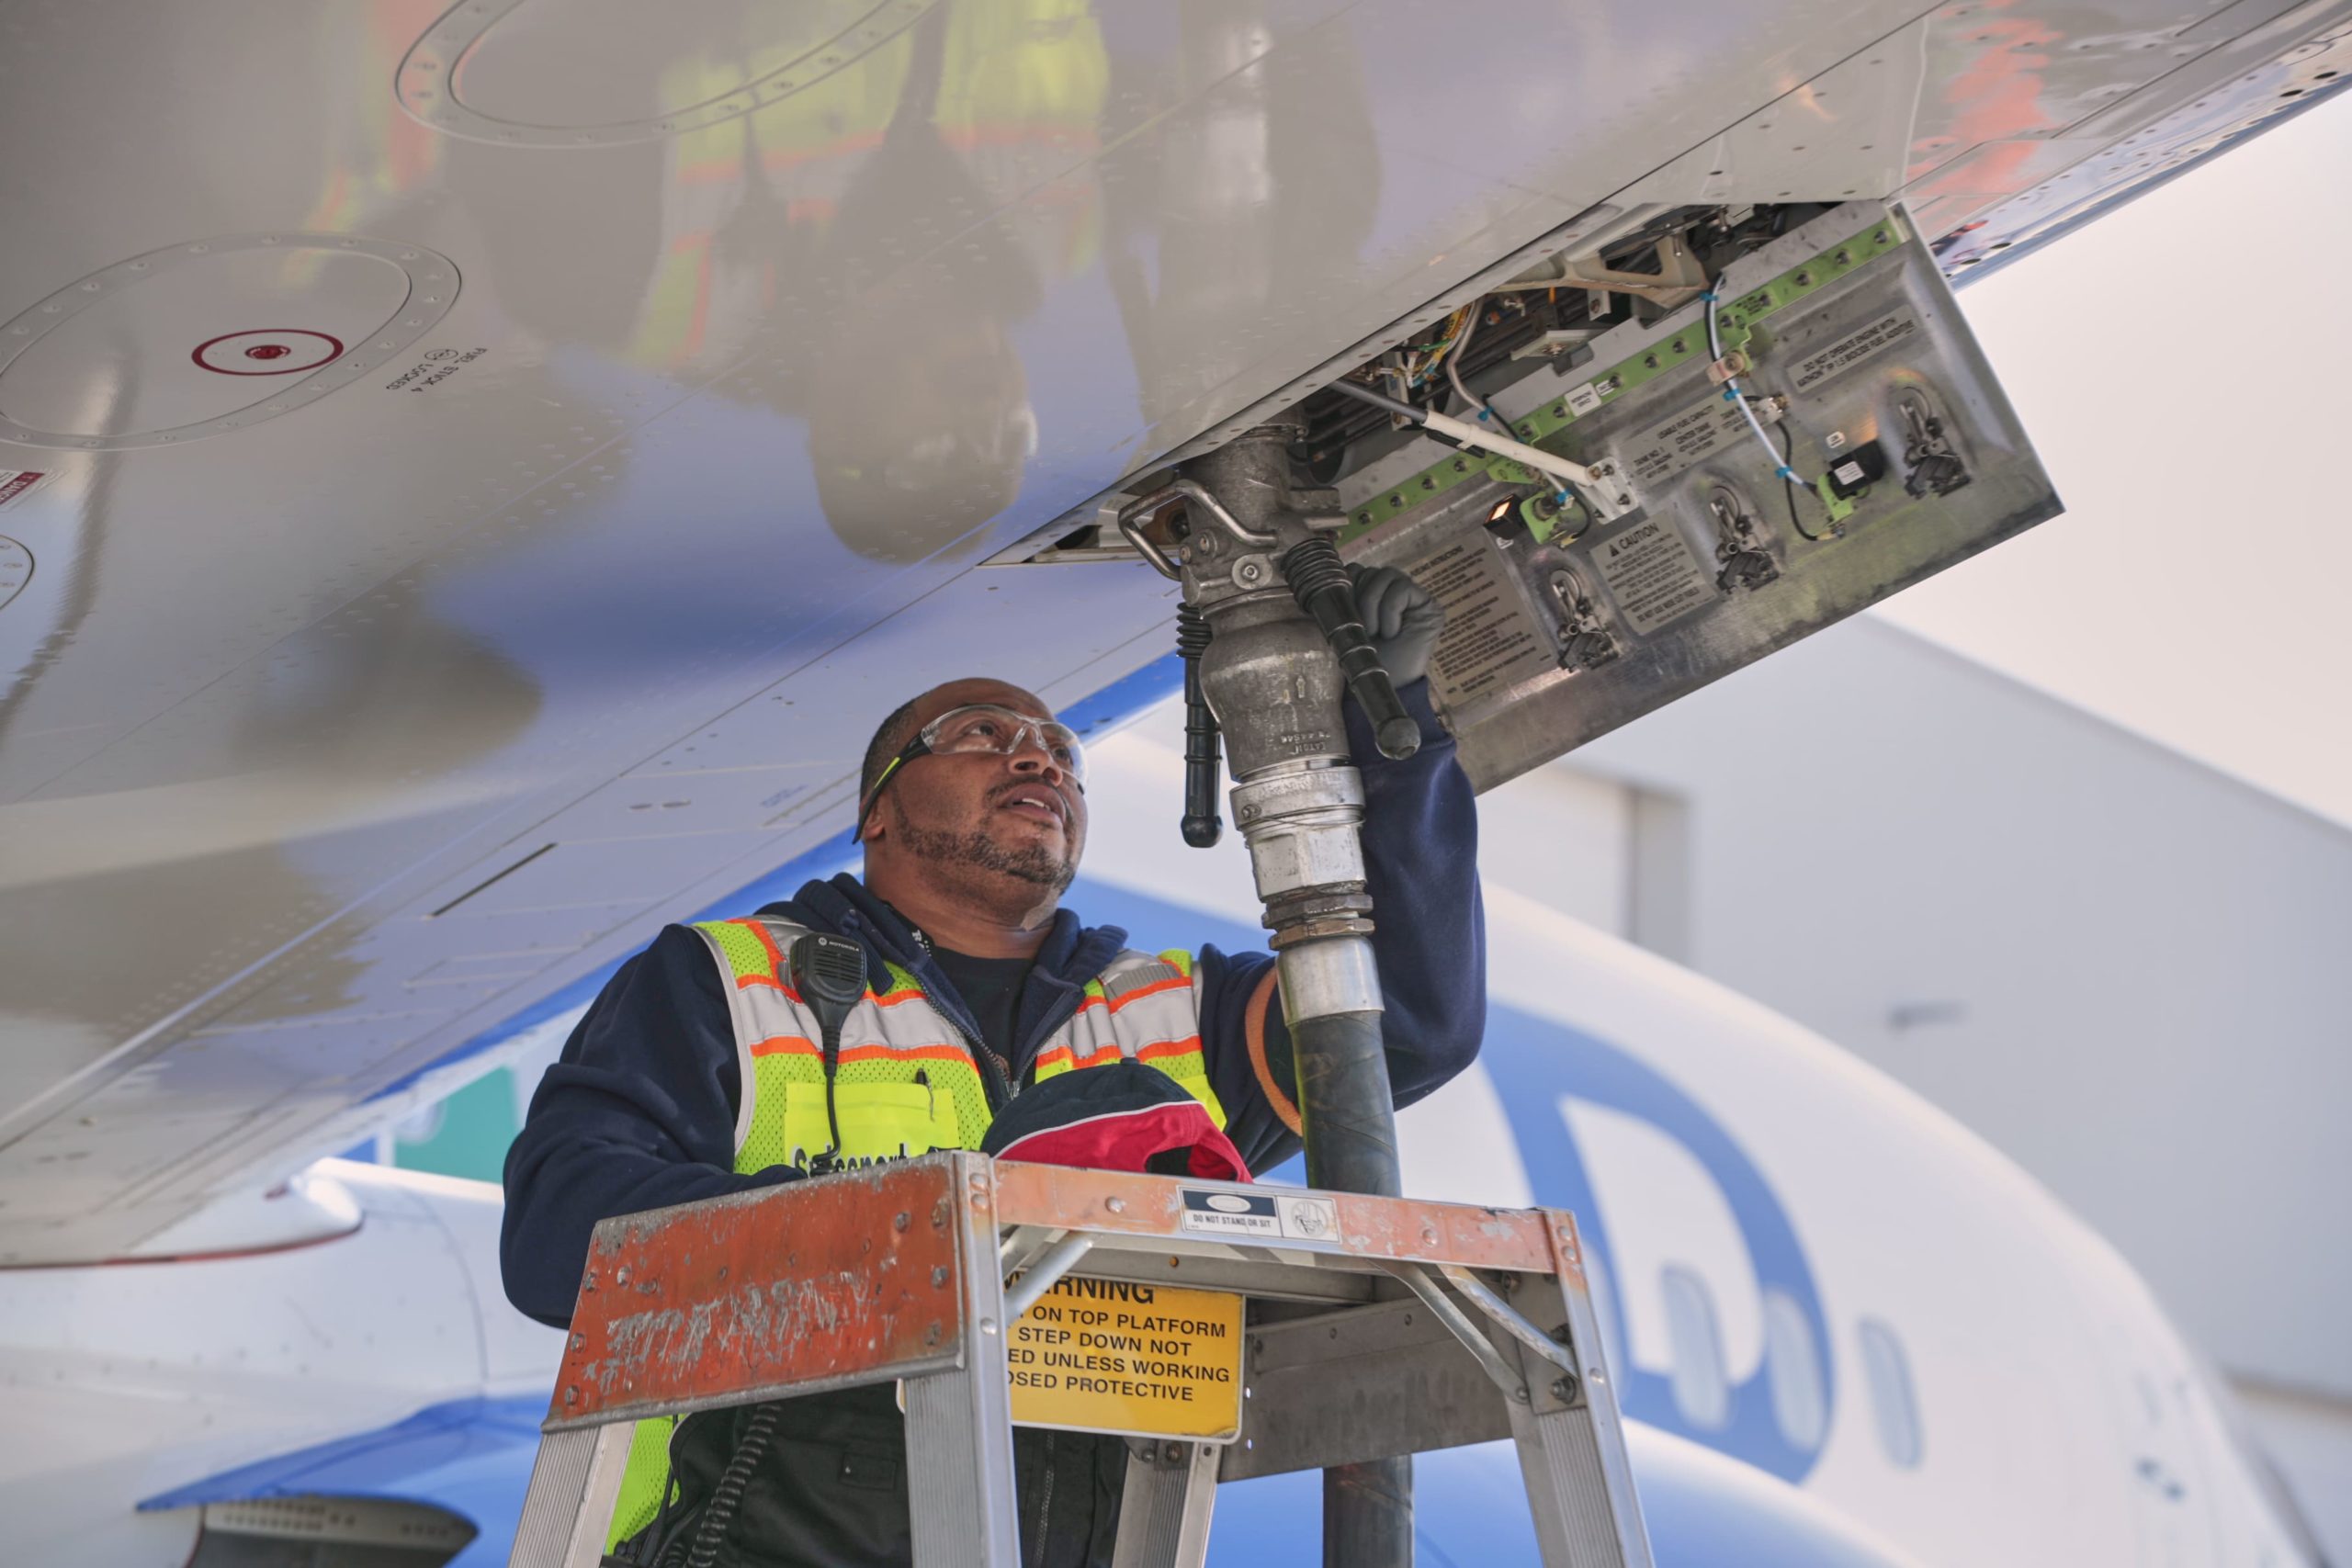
1378,1326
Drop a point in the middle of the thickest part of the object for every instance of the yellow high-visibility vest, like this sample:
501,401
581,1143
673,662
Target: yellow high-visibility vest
906,1084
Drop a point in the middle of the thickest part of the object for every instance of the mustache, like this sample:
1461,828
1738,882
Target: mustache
1001,792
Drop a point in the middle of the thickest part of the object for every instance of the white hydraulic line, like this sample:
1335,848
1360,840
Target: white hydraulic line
1503,446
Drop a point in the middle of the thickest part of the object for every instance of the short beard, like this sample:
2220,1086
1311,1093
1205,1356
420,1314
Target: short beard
975,851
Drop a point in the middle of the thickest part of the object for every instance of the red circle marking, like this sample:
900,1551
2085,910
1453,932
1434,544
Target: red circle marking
268,351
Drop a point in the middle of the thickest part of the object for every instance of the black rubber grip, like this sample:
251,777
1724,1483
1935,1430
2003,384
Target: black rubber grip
1321,584
1202,826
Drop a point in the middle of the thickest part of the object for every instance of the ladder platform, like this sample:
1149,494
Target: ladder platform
1377,1327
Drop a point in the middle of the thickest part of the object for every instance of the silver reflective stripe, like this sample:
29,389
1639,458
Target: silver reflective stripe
1117,982
756,1012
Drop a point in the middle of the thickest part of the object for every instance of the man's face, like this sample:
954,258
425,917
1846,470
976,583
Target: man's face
1019,817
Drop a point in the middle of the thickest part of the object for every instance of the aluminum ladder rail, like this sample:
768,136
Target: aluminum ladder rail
1408,1326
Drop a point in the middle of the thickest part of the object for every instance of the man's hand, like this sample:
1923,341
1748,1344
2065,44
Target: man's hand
1402,618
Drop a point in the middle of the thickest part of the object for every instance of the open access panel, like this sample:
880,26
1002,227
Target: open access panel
1881,452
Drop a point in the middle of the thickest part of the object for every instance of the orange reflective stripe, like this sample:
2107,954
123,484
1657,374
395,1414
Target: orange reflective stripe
1154,1052
785,1045
894,998
773,979
1174,982
1062,1056
801,1045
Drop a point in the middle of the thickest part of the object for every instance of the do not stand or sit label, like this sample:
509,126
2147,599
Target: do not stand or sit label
1107,1355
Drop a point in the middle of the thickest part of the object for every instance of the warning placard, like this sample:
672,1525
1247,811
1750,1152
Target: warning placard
1106,1356
1663,451
1490,639
1895,327
1652,574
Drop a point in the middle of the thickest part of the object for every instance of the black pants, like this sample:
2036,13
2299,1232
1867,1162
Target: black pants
829,1491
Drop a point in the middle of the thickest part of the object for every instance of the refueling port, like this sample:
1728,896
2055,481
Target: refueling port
1585,642
1742,562
1934,468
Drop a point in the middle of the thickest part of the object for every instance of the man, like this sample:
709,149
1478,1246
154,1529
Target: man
695,1073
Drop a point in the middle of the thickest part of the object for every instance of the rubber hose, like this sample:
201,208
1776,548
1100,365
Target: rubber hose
1368,1514
1345,1105
1350,1124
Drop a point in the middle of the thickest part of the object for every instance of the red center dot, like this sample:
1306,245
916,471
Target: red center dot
267,351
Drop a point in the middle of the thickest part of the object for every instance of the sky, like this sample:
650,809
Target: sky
2181,366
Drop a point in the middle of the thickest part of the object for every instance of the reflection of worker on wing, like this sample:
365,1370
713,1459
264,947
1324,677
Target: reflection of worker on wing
902,214
706,1067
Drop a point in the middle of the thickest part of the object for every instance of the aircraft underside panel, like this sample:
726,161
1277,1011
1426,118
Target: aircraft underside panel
1864,447
471,476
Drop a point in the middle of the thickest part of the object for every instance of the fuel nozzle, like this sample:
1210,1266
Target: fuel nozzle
829,972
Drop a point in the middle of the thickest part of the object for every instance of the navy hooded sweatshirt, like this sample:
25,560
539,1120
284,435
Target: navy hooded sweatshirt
639,1113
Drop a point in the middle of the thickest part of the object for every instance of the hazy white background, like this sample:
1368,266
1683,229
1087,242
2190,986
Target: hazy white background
2185,368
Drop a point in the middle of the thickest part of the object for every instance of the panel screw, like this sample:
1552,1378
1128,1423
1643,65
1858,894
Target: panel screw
1519,1396
1564,1390
903,1221
571,1395
939,1277
1116,1205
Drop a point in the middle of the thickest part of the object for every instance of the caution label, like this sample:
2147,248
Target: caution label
1652,574
1895,327
1106,1356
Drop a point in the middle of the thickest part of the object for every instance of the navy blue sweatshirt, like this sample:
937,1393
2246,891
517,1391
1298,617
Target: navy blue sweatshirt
640,1110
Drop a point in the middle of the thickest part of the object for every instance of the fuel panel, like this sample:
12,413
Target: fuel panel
1858,444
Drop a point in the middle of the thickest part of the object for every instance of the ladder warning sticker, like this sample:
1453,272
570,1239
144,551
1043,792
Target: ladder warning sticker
1652,574
1108,1356
1268,1215
1232,1214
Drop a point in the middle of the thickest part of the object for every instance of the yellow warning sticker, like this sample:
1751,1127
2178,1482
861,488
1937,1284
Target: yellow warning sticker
1105,1356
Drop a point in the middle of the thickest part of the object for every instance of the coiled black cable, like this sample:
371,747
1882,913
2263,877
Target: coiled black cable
1202,826
701,1551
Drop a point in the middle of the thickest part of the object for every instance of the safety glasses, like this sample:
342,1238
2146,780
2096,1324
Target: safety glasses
985,728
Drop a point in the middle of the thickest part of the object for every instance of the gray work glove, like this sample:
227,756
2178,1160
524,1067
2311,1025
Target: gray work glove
1402,618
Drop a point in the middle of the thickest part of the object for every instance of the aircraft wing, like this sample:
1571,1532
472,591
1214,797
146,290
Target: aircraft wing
471,478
